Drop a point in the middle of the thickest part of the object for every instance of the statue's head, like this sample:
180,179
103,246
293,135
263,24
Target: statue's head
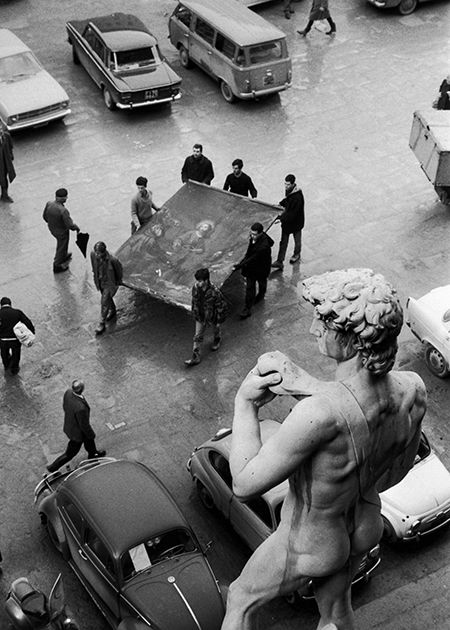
363,307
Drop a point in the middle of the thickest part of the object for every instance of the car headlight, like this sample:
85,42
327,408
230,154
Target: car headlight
64,104
126,97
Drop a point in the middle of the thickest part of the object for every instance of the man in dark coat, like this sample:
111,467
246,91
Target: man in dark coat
239,182
197,167
59,222
292,221
7,171
255,267
319,11
107,271
10,346
76,426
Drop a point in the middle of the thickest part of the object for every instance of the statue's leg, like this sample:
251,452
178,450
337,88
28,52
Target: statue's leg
333,597
262,579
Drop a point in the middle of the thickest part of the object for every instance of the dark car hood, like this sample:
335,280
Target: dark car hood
178,594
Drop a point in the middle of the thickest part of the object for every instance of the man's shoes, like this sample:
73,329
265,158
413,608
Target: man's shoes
7,198
259,297
111,315
294,259
277,265
60,268
194,360
332,31
303,33
100,328
287,14
216,343
15,370
245,313
97,454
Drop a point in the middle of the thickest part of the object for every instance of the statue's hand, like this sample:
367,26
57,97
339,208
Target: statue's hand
294,380
255,387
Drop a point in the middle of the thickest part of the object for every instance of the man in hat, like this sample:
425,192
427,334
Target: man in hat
76,426
7,171
10,346
142,206
59,222
107,270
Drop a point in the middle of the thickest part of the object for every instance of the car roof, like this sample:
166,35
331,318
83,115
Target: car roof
223,446
235,20
125,501
10,44
123,31
437,300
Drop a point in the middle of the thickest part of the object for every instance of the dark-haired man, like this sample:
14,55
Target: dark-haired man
255,267
292,221
10,347
142,206
59,222
239,182
197,167
76,426
107,271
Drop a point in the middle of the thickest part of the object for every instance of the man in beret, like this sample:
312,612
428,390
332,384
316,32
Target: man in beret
59,222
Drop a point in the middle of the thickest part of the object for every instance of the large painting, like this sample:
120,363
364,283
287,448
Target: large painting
199,226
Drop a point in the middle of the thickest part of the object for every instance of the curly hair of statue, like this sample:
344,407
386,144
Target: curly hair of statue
361,303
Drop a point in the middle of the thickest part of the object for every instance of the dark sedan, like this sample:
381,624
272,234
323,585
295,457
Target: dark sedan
132,549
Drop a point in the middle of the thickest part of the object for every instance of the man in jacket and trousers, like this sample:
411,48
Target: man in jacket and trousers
107,271
292,221
255,267
60,223
10,346
76,426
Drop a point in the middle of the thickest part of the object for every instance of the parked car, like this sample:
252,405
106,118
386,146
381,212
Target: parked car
123,58
29,96
404,7
253,520
420,504
247,55
429,320
125,538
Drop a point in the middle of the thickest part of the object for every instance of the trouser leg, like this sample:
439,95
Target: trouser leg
62,246
199,333
283,246
72,449
106,304
297,243
90,446
308,27
5,353
250,293
332,24
16,349
262,288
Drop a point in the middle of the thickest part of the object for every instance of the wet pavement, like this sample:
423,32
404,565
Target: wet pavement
343,129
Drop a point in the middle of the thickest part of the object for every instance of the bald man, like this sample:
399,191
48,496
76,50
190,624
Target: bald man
76,426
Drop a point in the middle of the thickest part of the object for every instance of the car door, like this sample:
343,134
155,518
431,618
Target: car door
93,58
201,45
251,519
90,559
221,487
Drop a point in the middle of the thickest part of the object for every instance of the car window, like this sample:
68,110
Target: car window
221,466
155,550
204,30
89,36
266,52
16,67
240,57
73,516
98,548
225,46
98,48
136,58
184,15
261,509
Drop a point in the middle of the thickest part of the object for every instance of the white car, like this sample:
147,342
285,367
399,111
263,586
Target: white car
429,320
29,96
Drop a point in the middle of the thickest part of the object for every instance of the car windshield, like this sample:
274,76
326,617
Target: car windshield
137,58
16,67
266,52
155,550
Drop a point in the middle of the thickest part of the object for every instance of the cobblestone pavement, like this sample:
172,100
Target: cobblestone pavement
343,128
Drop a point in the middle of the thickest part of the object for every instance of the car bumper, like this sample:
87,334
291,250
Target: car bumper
156,101
383,4
38,121
416,536
247,96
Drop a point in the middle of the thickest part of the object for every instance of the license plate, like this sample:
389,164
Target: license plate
151,95
268,79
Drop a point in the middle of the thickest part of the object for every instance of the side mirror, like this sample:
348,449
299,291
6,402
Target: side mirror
208,546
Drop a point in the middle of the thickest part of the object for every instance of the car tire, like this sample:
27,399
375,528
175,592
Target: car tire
407,6
436,362
227,92
75,57
205,496
389,534
184,57
108,99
